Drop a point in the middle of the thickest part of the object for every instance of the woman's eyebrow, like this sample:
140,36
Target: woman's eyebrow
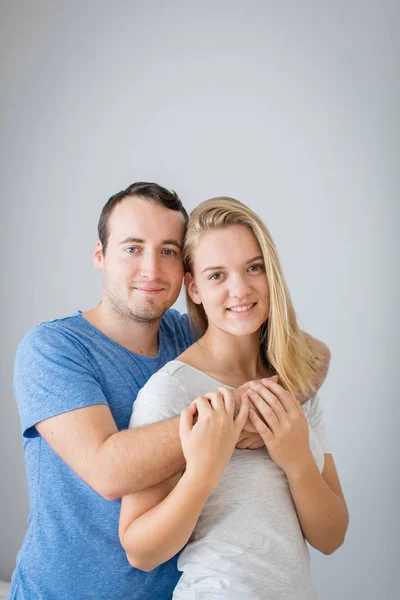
255,258
223,267
212,268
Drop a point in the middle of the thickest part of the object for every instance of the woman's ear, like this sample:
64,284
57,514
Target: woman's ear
191,288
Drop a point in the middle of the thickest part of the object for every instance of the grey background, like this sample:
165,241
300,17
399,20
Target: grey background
290,107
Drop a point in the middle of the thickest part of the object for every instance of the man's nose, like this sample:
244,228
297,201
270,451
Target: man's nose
150,267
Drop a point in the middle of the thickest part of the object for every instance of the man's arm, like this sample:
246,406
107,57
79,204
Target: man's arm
323,355
59,394
114,463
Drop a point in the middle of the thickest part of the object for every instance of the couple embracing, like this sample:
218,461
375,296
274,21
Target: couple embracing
172,455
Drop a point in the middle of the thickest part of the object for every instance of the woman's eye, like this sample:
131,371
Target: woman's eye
215,276
169,252
256,267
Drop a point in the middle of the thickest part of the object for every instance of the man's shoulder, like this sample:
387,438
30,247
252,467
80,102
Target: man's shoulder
58,332
177,322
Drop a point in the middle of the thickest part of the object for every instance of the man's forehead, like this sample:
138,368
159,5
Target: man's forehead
146,220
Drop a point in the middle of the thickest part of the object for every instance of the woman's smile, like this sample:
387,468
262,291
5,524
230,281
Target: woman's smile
242,309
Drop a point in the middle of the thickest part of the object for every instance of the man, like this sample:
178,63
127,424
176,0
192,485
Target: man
75,381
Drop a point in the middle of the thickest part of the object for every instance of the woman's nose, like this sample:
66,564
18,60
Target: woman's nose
239,287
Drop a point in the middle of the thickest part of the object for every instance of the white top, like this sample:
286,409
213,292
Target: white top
247,543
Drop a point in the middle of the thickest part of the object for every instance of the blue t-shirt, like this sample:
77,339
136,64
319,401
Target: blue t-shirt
71,550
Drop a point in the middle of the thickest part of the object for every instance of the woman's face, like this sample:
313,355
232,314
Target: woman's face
229,280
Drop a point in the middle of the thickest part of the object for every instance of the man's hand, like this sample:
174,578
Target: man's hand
323,355
249,441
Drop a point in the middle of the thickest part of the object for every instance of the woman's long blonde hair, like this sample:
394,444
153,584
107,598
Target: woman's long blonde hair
283,346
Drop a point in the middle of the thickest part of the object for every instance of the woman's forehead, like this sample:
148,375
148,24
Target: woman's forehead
231,244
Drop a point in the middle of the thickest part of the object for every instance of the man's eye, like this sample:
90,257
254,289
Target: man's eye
132,249
256,267
169,252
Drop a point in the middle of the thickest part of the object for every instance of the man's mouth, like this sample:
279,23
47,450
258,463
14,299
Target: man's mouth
148,290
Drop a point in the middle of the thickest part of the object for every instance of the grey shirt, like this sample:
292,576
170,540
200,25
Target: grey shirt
247,543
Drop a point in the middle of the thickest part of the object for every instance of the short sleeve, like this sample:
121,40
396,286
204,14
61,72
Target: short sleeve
52,375
186,327
313,410
162,398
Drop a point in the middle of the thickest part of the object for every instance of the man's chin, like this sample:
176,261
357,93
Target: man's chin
147,314
145,317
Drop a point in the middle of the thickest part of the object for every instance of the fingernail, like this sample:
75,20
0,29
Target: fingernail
265,380
250,392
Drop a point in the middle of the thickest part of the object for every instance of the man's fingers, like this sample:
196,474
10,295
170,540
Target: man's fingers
258,444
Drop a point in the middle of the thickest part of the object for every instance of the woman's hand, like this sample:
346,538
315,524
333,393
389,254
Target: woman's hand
248,426
209,441
281,423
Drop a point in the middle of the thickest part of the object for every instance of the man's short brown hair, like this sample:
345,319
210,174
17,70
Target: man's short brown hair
151,191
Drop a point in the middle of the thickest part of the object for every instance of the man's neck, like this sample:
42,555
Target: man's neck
138,337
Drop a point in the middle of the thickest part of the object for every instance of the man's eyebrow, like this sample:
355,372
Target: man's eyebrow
171,242
134,240
222,266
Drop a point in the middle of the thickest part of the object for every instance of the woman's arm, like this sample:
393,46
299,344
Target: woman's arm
320,504
156,523
318,498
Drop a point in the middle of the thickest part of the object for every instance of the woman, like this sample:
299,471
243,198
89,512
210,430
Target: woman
243,514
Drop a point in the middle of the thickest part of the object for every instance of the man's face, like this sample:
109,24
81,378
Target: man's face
142,267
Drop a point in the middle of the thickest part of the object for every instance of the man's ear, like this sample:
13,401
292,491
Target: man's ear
191,288
98,256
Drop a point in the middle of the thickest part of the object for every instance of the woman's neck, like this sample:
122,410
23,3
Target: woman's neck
225,354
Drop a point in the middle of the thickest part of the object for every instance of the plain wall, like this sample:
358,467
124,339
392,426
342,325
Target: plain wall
290,107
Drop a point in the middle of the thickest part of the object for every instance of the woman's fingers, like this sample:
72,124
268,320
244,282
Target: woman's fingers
216,400
261,426
288,401
229,400
243,412
280,404
203,404
186,420
265,411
